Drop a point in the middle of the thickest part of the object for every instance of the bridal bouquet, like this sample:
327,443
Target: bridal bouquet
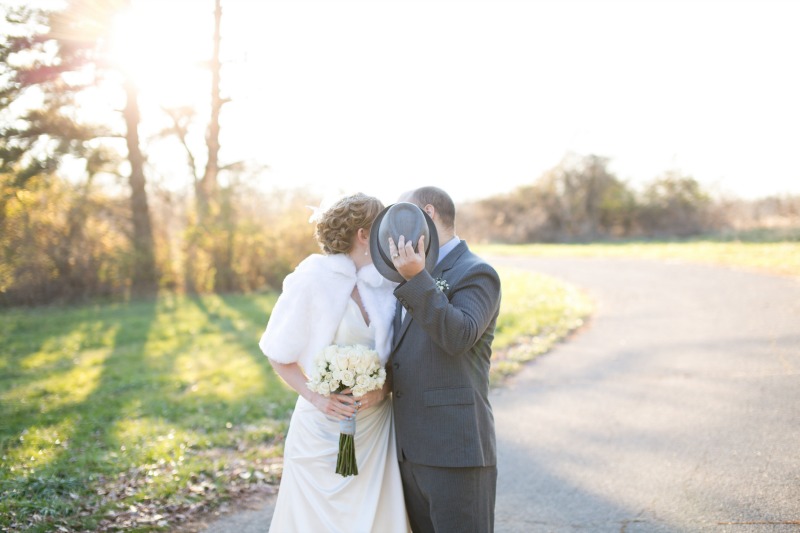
353,367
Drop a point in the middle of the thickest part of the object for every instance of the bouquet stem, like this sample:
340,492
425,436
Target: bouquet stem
346,460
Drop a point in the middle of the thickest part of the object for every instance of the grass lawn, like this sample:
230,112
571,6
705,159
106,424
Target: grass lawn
536,313
771,256
137,415
120,414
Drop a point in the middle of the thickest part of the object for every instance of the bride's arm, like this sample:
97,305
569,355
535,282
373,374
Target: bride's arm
336,405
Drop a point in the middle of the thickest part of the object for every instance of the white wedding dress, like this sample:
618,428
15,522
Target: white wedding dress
312,497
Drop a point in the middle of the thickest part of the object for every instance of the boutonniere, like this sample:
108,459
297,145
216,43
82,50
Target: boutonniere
442,284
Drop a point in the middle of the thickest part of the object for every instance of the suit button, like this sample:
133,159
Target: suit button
396,365
398,394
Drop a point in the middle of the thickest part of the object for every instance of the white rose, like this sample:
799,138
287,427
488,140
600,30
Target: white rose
376,383
373,367
362,366
348,378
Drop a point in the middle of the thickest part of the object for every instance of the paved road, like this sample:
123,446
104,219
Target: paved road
677,409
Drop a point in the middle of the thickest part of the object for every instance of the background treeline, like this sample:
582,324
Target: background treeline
581,200
84,213
61,241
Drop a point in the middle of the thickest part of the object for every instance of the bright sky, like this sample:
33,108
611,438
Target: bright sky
479,97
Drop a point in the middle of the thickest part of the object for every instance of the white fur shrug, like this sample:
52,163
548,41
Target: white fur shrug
313,301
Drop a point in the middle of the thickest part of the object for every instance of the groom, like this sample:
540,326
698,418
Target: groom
444,327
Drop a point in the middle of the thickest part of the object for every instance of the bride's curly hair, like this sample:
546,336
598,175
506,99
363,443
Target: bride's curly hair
337,227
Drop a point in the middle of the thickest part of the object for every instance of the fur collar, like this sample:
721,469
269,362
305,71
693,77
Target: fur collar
312,304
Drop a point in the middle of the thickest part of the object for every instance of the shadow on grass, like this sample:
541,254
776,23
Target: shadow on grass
239,320
140,429
84,437
41,344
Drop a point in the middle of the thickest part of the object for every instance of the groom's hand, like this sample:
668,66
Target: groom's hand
407,261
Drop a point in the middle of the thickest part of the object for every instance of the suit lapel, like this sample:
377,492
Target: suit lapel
450,260
400,325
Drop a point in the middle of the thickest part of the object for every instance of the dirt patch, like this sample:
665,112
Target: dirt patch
251,500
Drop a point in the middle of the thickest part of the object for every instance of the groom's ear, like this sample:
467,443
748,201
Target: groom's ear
430,210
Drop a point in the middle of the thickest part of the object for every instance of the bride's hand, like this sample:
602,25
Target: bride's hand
339,406
370,399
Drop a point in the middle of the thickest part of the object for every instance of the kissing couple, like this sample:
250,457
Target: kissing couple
398,283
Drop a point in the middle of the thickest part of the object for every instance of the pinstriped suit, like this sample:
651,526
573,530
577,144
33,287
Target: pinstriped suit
440,379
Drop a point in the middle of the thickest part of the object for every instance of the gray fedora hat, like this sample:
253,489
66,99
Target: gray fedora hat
402,218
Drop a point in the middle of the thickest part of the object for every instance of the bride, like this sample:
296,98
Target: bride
336,298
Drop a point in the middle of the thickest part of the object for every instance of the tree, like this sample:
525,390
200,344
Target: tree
578,199
213,232
675,205
56,66
222,218
145,277
585,200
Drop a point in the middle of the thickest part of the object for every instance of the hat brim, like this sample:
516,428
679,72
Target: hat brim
381,257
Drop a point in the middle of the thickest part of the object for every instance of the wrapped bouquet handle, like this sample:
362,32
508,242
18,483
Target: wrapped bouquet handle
346,463
337,368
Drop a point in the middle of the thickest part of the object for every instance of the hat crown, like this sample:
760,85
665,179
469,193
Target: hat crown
410,221
406,219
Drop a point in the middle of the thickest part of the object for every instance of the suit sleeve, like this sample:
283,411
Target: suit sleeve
456,319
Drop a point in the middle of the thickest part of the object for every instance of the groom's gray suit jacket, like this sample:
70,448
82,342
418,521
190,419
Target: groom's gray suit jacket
440,363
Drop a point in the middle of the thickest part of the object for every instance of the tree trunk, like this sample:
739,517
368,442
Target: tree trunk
144,279
219,217
209,180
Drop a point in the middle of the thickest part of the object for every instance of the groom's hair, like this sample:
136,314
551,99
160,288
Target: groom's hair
440,200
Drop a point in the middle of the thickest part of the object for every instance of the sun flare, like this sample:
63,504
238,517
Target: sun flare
163,47
328,92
